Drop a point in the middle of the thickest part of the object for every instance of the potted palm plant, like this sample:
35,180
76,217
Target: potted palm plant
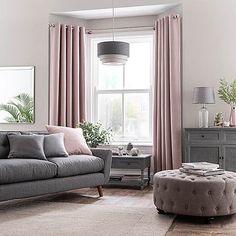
227,93
20,109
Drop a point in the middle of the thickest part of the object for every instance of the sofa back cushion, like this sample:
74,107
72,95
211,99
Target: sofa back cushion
26,146
4,144
34,132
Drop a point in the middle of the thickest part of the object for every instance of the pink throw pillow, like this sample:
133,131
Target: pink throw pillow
73,137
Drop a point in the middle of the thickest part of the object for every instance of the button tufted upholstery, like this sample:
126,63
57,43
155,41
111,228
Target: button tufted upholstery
187,194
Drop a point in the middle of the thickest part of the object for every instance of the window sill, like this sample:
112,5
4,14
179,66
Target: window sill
135,143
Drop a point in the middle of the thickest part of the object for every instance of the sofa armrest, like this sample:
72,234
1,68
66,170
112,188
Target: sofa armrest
106,155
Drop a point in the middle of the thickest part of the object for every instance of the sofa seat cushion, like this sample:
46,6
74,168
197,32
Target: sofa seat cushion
19,170
77,165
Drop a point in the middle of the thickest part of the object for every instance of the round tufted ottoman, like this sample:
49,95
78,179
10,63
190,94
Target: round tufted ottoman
187,194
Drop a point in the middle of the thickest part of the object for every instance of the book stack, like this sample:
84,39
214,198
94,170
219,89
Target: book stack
130,177
201,168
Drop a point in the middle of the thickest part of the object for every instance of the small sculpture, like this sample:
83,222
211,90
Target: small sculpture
120,150
218,121
134,152
129,147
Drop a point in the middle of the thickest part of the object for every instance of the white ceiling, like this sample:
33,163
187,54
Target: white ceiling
119,12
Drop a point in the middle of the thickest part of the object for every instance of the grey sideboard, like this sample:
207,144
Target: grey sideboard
216,145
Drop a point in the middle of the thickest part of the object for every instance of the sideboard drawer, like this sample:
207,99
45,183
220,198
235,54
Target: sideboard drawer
230,136
203,136
129,164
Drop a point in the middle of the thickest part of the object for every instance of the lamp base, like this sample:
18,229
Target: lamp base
203,117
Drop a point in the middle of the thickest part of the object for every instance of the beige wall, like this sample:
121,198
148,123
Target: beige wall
209,49
23,41
209,44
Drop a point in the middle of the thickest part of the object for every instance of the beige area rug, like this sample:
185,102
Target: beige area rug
66,219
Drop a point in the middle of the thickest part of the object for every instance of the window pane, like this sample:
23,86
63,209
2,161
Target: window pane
138,66
110,112
136,115
110,77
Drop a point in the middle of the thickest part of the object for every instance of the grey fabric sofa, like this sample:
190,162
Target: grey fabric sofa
20,178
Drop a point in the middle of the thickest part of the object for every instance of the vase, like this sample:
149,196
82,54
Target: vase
233,116
203,117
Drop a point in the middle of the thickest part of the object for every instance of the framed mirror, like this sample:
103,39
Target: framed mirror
17,94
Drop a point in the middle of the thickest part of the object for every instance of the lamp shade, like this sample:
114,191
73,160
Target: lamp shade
203,95
113,52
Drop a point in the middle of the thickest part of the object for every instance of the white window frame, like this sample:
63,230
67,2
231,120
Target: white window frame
92,91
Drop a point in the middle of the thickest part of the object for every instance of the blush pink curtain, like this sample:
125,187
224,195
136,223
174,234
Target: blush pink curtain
67,75
167,128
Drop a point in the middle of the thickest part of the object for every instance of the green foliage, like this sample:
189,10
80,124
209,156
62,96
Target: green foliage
227,92
95,134
20,109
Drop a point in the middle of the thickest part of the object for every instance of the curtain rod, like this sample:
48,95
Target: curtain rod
91,31
53,25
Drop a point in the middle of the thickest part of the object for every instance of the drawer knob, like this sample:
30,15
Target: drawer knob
203,136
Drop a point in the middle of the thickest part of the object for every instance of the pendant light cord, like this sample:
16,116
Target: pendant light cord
113,20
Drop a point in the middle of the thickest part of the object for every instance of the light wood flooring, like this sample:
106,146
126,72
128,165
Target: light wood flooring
182,226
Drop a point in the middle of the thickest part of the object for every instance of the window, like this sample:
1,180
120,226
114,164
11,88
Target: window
121,96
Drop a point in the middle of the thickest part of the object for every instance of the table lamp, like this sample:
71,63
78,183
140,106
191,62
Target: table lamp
203,95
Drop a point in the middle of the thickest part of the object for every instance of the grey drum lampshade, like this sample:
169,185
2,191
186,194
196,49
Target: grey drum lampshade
203,95
113,52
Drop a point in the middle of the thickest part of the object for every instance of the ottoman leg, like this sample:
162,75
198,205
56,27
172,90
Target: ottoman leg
161,212
209,220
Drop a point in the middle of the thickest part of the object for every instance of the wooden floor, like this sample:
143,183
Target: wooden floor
192,226
182,226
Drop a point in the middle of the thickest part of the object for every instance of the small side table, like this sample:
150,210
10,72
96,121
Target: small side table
140,162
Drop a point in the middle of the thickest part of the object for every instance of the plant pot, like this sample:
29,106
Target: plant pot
233,116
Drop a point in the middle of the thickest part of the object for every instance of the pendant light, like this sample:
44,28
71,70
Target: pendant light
113,52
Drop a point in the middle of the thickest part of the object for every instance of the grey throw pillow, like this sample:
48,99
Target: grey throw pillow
26,146
4,144
54,145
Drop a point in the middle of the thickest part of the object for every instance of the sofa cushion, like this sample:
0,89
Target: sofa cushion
77,165
54,145
75,142
26,146
18,170
4,143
